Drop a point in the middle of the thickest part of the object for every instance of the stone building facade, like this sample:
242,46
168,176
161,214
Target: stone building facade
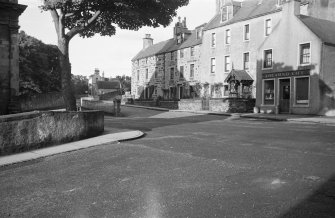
10,11
280,52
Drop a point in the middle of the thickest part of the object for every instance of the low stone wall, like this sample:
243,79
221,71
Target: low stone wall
105,106
41,102
163,104
231,105
27,131
190,104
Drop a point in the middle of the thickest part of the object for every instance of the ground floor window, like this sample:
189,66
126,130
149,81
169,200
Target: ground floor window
269,92
302,91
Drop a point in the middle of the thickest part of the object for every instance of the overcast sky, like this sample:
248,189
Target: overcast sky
110,54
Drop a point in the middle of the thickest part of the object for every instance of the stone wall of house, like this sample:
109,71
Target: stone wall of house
10,11
27,131
190,104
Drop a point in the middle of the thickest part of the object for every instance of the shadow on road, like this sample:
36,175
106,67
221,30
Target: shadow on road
320,204
147,124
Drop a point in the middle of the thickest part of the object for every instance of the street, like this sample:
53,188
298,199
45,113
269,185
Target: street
187,165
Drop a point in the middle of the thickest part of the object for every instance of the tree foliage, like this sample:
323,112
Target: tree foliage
39,66
80,84
125,82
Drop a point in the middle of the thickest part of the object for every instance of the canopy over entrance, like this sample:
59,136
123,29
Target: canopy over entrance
240,84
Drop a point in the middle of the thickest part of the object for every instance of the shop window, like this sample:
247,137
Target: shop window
302,91
305,53
269,92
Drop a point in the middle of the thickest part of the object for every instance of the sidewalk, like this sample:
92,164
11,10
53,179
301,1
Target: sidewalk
273,117
73,146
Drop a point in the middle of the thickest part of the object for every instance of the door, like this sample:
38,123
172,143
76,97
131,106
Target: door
284,95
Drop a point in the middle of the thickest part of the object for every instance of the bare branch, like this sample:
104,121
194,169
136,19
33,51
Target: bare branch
84,26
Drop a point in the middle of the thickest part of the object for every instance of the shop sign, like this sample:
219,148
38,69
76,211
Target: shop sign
286,74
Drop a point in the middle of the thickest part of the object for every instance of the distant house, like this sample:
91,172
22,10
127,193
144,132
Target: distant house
104,88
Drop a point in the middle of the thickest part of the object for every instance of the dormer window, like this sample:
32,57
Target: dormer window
226,13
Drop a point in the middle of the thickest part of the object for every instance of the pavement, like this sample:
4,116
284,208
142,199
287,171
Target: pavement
73,146
272,117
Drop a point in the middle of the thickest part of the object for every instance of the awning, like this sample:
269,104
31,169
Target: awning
239,75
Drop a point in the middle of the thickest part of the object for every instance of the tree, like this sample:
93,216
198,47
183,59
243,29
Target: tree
90,17
125,81
80,84
39,66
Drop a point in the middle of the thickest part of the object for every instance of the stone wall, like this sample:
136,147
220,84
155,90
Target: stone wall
190,104
105,106
41,102
27,131
231,105
10,11
162,104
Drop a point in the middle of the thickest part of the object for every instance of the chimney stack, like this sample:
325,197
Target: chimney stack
292,6
147,41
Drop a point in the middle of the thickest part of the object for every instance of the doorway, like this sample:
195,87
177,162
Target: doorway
284,95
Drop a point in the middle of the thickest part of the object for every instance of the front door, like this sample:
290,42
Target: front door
284,96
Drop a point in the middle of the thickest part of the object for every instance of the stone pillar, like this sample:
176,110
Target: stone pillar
10,11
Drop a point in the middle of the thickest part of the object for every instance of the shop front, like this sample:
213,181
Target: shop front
286,92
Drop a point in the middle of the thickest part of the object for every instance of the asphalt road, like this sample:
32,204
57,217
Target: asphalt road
187,165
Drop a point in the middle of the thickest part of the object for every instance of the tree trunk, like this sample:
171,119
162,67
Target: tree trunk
67,87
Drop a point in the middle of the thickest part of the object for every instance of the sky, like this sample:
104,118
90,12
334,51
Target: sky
112,55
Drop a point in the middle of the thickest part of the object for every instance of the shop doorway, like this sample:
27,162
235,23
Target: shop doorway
284,95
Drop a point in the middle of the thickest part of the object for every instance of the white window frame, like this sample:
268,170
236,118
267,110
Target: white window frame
274,92
225,64
244,32
225,40
181,53
146,74
295,92
213,40
265,27
310,53
181,73
267,68
192,53
211,71
192,76
243,58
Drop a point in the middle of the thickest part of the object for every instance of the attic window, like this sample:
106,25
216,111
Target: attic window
226,13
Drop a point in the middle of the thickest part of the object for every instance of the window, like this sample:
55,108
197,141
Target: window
246,32
181,53
246,60
305,53
268,27
146,74
225,90
199,33
192,51
138,75
156,72
269,92
146,61
191,70
302,91
213,40
224,14
212,65
267,59
227,37
227,63
172,56
181,71
171,73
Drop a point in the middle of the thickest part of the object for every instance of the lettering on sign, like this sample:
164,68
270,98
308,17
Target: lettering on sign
286,74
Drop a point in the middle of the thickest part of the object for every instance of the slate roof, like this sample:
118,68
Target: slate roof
239,75
324,29
250,9
108,84
169,46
